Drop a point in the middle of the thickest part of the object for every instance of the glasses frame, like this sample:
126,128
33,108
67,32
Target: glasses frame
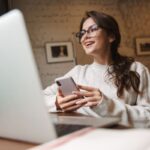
90,30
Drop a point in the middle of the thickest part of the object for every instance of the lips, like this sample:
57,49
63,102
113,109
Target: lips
89,43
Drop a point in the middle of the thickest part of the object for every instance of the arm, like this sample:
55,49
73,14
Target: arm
129,113
50,97
105,106
51,93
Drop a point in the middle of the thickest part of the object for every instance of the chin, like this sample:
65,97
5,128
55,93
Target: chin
90,51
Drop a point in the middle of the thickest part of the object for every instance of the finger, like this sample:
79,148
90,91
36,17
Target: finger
89,99
59,92
69,98
90,104
82,93
85,100
87,88
73,108
69,104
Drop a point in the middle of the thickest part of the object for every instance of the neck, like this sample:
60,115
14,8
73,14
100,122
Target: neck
104,59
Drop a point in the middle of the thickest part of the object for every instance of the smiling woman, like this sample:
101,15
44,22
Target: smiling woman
113,85
100,40
90,31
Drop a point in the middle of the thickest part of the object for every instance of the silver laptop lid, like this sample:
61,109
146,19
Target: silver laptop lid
23,115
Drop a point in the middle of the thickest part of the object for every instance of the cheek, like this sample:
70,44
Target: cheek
84,48
102,40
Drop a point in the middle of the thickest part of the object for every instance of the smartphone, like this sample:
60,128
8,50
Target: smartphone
67,85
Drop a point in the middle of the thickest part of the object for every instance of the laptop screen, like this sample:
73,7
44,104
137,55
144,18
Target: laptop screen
23,115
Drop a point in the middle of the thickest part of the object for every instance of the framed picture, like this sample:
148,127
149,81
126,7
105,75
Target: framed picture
143,46
59,52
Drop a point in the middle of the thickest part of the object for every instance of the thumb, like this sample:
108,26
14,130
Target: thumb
59,92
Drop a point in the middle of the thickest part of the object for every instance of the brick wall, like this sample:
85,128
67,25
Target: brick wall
57,20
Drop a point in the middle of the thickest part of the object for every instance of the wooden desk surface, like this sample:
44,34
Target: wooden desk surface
6,144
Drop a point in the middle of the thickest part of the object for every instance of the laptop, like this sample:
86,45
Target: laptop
22,111
23,114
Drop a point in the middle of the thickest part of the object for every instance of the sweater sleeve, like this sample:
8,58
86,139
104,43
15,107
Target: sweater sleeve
50,97
129,113
51,91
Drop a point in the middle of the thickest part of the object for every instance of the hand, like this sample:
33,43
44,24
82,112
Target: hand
92,96
67,103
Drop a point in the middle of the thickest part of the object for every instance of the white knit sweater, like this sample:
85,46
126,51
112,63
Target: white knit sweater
130,108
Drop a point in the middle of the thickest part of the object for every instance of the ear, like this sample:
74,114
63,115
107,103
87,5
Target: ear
111,38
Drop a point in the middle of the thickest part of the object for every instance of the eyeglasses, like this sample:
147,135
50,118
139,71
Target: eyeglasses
91,32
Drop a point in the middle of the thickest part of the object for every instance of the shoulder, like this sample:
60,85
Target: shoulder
138,67
141,69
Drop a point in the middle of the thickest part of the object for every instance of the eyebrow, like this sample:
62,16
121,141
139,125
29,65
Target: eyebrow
89,27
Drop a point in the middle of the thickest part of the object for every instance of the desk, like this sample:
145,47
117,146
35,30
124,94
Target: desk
16,145
83,120
6,144
136,124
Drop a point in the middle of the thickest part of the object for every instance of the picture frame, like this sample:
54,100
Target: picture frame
143,46
59,52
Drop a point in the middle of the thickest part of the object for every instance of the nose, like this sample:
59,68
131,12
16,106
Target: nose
85,36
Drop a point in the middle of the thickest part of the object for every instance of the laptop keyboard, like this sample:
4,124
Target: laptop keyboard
63,129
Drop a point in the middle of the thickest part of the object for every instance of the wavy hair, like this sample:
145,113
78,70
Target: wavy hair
120,71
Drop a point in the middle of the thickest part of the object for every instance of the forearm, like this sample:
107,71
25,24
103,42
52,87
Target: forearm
50,101
50,98
127,113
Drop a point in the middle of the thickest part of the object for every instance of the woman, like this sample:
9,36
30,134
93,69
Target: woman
113,85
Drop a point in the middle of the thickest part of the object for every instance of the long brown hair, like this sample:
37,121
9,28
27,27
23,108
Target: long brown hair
120,71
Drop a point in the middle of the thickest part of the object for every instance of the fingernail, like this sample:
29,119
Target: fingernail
78,102
86,105
74,92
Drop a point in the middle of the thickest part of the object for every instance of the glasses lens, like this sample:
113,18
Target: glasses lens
91,31
93,28
80,34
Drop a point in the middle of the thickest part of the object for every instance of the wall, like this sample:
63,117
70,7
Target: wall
3,7
57,20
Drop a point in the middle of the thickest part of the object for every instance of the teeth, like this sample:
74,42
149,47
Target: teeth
89,43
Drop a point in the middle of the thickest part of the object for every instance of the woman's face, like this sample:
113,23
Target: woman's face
95,40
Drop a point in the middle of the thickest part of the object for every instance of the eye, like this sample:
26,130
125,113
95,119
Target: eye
80,34
93,28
